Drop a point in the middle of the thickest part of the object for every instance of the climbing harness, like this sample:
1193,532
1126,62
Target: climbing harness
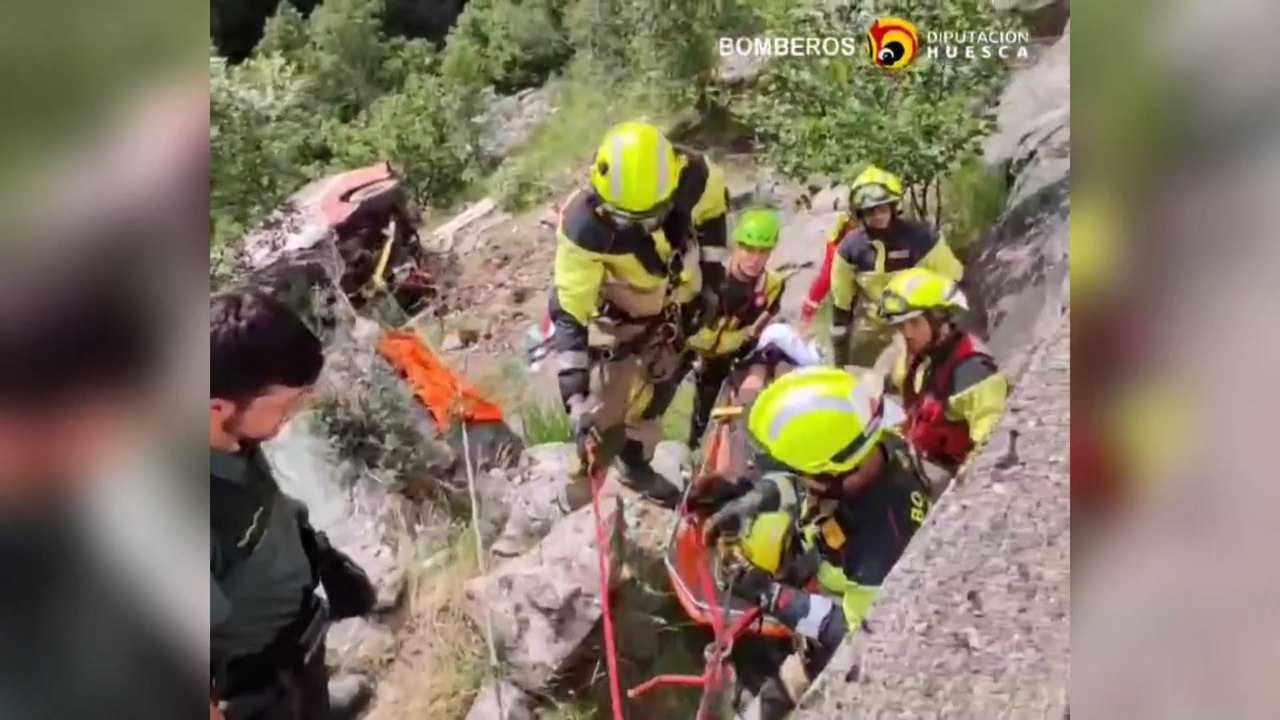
596,480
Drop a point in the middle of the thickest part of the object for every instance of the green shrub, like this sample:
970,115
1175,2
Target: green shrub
428,129
667,48
262,141
973,198
509,44
345,56
372,422
830,117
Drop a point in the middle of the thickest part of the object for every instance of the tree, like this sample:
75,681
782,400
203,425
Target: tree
510,44
831,116
429,129
666,46
262,141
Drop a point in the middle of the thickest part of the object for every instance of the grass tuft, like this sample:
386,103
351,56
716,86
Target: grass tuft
442,660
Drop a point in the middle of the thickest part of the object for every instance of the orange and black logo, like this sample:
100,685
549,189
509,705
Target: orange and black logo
893,43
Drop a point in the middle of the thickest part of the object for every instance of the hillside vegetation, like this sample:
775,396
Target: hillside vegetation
349,82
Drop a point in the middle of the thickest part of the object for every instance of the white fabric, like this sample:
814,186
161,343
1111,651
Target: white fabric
786,340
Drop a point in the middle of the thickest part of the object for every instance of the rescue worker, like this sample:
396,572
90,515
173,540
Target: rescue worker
952,390
268,622
646,238
837,504
752,295
885,242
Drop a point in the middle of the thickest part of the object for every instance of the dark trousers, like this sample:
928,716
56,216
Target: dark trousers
293,691
710,380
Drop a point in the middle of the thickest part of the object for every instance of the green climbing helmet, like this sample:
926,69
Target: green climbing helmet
758,230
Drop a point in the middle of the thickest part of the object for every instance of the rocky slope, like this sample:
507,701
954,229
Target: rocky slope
974,620
973,623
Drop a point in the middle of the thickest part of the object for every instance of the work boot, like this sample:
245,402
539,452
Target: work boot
349,695
639,475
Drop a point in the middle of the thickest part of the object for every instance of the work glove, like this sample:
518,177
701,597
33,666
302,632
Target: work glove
808,311
704,309
712,492
757,587
730,520
350,591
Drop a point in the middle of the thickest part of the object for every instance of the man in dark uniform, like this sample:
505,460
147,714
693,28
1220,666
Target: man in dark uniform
267,621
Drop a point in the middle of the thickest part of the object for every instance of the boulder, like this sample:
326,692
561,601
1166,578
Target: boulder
537,497
540,494
507,702
1032,95
973,620
545,603
512,119
361,520
1044,18
1019,279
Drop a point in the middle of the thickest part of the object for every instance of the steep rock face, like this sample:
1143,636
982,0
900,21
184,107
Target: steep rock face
974,620
1020,276
1045,18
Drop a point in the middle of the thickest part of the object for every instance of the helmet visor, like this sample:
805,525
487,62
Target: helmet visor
871,196
895,309
649,220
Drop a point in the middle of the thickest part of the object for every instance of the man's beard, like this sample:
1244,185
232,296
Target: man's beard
233,426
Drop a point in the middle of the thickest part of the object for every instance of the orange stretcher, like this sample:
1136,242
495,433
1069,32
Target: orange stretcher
438,387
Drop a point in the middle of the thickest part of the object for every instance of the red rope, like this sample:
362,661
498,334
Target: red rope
602,546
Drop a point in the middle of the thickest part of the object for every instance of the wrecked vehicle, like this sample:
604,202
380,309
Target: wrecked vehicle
353,231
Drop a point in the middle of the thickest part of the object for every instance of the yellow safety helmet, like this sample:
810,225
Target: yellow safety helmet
818,420
874,187
767,541
915,291
636,171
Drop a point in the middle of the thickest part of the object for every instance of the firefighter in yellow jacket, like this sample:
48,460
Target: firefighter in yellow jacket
952,390
836,507
883,243
646,239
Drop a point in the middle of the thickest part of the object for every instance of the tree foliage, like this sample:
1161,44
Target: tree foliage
667,45
509,44
428,128
330,92
832,116
262,141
